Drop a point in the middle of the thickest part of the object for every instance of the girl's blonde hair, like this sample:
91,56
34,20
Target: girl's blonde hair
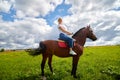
59,19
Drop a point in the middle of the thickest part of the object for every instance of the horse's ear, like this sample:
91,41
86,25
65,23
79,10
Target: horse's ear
88,26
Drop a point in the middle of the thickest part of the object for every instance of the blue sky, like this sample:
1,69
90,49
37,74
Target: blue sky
60,11
9,16
24,23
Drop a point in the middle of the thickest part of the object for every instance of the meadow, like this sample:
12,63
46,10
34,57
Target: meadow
96,63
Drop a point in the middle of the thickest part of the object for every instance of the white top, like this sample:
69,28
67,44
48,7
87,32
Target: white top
63,26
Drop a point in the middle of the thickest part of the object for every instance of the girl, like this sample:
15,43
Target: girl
64,35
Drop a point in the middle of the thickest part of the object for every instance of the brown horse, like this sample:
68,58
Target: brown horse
48,48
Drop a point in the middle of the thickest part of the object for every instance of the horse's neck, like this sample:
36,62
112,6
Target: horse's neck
80,38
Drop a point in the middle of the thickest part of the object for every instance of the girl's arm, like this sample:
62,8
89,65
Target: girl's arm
65,31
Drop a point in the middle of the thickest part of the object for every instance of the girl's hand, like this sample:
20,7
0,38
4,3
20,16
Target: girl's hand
70,33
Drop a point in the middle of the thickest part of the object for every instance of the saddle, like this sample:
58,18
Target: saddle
62,44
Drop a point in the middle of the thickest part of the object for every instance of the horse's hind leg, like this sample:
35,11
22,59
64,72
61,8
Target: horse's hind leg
43,63
49,63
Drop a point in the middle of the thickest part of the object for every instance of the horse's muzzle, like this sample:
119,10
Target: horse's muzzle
94,39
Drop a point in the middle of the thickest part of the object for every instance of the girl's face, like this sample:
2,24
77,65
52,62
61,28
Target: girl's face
59,21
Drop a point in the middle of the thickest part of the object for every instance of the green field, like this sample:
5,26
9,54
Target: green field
96,63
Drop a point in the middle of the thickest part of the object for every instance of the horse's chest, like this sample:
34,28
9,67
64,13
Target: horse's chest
78,49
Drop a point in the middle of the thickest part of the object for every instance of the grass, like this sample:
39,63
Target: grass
97,63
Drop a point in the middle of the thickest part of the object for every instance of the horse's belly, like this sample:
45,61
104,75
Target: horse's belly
63,56
62,52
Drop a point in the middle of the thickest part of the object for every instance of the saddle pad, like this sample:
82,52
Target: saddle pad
62,44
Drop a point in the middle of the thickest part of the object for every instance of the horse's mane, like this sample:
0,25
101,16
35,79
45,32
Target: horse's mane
78,31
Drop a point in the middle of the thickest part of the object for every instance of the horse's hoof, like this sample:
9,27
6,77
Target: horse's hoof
75,76
43,78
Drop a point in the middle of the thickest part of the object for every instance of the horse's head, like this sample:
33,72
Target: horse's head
90,33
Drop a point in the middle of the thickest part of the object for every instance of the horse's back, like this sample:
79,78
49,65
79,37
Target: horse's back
52,48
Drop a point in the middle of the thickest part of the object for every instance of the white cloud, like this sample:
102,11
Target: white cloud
4,5
35,8
117,28
23,33
26,31
100,14
20,14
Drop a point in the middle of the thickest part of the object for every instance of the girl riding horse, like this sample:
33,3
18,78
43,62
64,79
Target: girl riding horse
48,48
64,35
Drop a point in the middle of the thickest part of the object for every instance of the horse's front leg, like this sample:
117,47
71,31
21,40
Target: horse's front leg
74,66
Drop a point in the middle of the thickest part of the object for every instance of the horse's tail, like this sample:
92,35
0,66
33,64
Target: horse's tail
41,49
